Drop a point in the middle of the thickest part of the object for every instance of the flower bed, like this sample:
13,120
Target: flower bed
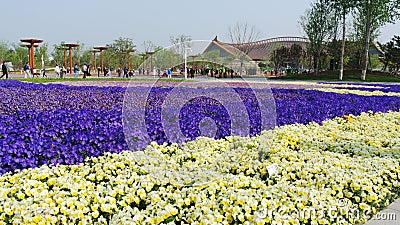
57,124
341,171
328,171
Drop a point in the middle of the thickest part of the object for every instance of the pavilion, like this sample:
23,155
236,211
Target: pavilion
31,44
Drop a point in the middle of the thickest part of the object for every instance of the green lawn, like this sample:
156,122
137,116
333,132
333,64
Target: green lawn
348,76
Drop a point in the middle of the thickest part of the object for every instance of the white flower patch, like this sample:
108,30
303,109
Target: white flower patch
342,171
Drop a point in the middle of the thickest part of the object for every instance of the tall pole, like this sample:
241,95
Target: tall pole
42,64
202,66
70,46
151,62
31,57
70,60
101,61
128,52
185,63
101,48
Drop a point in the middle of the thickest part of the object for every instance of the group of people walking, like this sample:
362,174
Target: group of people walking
85,69
60,72
28,71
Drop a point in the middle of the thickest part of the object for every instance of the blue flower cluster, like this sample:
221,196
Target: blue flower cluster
304,106
57,124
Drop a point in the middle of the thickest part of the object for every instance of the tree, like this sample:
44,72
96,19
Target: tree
120,50
395,53
296,54
278,56
317,24
148,46
374,13
87,57
40,52
180,43
110,59
78,53
387,55
212,58
4,50
20,56
8,53
58,53
334,53
391,54
291,55
343,8
180,39
243,36
166,58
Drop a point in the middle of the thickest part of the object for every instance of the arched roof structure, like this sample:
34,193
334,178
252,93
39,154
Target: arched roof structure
258,50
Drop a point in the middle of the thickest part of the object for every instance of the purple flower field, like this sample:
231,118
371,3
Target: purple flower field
59,124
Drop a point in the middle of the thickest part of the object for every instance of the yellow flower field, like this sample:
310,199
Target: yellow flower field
340,172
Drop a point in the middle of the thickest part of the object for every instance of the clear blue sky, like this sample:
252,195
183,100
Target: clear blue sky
99,22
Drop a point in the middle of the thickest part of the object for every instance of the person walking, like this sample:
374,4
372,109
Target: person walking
169,72
89,67
44,72
191,71
84,70
76,71
119,72
5,70
27,71
63,72
125,72
57,70
108,73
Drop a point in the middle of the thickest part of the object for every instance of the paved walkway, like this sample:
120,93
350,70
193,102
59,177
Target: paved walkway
388,216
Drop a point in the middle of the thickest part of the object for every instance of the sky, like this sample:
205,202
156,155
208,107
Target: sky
100,22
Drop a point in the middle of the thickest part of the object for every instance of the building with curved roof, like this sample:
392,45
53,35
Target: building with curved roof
262,50
258,50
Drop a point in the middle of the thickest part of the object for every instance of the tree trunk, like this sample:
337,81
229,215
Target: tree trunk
318,66
385,66
315,64
343,45
366,47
